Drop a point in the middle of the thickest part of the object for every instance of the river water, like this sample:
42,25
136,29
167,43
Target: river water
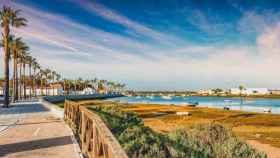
248,104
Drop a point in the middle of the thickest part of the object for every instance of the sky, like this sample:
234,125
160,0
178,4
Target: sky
156,44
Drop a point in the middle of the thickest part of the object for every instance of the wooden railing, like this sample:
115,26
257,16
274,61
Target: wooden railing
95,138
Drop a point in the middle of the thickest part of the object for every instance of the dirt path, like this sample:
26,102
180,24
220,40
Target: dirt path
36,133
272,152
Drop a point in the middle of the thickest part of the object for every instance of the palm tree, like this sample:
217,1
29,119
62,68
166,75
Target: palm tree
65,81
29,61
42,74
22,63
35,66
53,75
95,84
241,89
8,18
48,76
17,46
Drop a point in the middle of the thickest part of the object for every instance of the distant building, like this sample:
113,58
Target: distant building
249,91
89,90
205,92
1,91
274,91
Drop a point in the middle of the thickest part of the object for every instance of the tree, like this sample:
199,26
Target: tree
35,66
42,74
53,75
29,61
241,89
48,77
8,18
17,47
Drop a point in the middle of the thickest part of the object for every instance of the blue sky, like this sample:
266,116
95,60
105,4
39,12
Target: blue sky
156,44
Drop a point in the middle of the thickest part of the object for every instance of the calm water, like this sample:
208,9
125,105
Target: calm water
249,104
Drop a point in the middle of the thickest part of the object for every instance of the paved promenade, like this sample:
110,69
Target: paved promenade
30,130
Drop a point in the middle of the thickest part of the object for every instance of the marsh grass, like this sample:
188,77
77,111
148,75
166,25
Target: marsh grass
209,140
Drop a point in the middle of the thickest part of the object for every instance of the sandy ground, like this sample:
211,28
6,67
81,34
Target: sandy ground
272,152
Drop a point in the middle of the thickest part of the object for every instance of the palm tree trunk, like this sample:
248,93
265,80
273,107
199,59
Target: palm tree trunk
6,32
24,82
46,86
14,78
41,88
34,82
20,80
53,86
30,81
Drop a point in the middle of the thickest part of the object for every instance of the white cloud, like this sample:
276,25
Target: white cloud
269,41
207,24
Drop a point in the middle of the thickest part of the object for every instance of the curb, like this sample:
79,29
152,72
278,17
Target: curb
58,112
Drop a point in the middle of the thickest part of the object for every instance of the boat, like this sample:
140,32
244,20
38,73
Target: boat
226,108
193,104
267,110
166,97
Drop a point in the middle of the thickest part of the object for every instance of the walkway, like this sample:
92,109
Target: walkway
29,130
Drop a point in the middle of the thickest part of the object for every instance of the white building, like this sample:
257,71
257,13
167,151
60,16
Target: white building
1,91
205,92
249,91
88,90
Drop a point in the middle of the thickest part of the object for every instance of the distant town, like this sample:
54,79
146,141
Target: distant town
253,92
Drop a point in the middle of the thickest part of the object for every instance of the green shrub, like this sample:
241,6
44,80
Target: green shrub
142,142
209,140
118,120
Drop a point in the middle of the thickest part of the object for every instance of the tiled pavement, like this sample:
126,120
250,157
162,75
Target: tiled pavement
29,130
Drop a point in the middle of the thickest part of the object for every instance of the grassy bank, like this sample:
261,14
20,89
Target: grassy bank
264,128
140,139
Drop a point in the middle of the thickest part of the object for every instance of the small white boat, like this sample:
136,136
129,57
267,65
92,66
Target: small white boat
267,110
138,97
181,113
166,97
226,108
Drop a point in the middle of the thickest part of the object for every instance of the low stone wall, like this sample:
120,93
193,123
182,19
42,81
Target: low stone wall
48,101
59,99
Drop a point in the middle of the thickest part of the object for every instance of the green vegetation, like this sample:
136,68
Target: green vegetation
210,140
61,105
203,140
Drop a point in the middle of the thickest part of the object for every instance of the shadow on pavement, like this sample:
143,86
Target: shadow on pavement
7,149
20,108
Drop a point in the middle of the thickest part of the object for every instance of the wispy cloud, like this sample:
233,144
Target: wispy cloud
207,24
117,18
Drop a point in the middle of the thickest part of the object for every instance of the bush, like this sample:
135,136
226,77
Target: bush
118,120
209,140
142,142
